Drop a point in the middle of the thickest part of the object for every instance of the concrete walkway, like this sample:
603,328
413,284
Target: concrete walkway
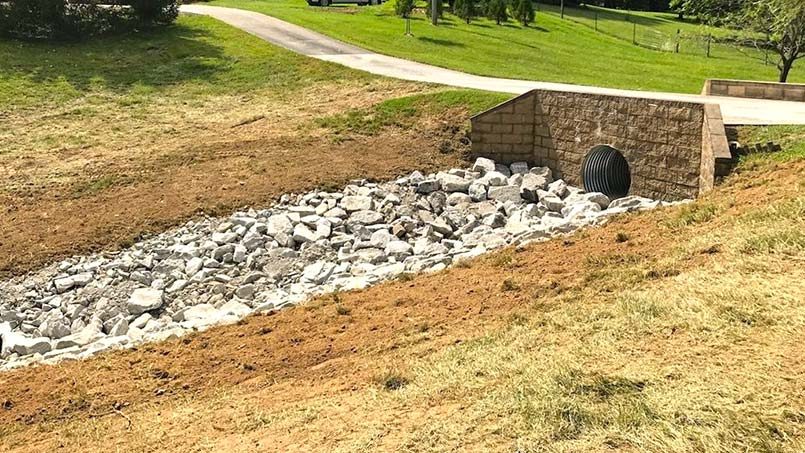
301,40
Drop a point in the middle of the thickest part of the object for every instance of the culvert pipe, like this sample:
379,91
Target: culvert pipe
605,170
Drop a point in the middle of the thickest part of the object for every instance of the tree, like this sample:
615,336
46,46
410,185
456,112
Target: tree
465,9
497,10
523,11
713,12
70,20
439,8
778,25
403,8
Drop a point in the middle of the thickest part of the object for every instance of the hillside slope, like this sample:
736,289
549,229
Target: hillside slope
675,330
551,49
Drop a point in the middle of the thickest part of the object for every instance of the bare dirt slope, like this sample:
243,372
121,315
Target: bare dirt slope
677,330
62,201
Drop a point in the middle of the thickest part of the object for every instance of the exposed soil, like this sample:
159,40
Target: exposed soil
185,392
60,202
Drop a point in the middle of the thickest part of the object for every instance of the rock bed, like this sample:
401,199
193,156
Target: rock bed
218,270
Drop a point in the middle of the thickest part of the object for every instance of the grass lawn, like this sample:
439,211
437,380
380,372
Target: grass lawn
551,50
658,31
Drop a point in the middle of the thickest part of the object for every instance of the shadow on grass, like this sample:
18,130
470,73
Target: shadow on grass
155,58
440,42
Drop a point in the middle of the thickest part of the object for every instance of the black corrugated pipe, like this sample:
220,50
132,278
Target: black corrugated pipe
605,170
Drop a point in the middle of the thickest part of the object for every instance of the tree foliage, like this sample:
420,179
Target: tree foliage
63,20
465,9
523,11
497,10
778,25
713,12
403,8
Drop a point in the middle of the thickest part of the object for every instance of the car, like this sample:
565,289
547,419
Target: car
333,2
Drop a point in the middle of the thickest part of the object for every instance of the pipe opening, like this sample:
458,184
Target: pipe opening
605,170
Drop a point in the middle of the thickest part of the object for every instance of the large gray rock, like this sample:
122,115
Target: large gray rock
452,183
633,203
594,197
352,203
17,343
54,328
580,208
551,201
121,327
478,191
302,234
558,188
458,198
143,300
428,186
483,165
90,333
495,178
196,312
366,217
505,193
318,272
531,185
399,249
234,308
279,223
520,168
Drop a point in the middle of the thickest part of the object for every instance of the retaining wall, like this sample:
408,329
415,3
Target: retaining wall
755,90
669,146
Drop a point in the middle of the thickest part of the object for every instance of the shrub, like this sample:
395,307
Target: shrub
497,11
155,12
403,8
523,11
465,9
60,20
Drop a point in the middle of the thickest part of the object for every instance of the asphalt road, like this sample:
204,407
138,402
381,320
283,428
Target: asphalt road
736,111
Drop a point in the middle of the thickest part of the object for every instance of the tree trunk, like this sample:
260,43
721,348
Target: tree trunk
785,69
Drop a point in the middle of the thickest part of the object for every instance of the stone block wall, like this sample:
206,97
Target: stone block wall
755,90
664,142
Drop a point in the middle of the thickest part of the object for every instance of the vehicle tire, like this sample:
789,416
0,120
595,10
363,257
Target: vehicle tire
324,2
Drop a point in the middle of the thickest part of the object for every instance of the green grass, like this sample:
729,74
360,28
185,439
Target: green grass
659,31
196,57
404,111
790,138
550,50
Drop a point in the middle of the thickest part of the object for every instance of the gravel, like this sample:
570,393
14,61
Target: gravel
215,271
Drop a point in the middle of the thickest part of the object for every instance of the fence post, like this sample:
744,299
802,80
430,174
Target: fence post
596,21
709,41
678,34
562,10
634,34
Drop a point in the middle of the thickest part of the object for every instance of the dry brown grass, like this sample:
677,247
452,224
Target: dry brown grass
685,338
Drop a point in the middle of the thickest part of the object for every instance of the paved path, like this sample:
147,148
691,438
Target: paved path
306,42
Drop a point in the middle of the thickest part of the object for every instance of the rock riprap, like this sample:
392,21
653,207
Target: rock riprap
218,270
